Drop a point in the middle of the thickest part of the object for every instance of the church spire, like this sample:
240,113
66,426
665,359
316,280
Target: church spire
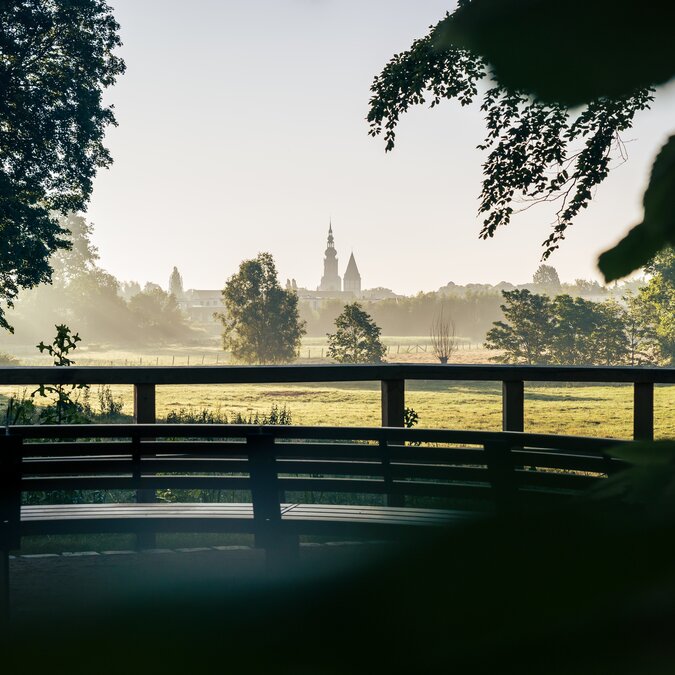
331,241
330,281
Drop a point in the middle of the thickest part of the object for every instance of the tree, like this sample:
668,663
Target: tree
538,150
357,338
158,315
443,340
56,58
642,346
527,336
176,284
586,333
657,302
261,322
547,277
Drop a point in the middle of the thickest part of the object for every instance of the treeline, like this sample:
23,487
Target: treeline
95,303
563,330
473,314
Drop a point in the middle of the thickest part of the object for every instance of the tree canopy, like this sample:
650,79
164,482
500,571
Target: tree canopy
547,277
56,58
357,337
538,150
657,301
261,321
176,283
562,330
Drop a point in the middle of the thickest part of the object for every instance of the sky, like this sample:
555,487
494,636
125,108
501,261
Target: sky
242,129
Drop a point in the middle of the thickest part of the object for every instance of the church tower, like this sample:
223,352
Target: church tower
330,281
352,277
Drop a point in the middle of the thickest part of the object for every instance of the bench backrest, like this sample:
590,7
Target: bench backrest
271,464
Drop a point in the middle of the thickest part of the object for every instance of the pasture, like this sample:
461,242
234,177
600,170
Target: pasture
593,410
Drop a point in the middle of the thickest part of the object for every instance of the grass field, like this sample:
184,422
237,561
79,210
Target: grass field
313,350
594,410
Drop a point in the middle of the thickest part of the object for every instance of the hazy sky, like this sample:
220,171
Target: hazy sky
242,129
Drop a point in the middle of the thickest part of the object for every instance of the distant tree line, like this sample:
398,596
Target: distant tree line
95,303
562,330
472,314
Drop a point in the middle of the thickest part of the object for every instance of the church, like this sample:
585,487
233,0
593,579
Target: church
330,281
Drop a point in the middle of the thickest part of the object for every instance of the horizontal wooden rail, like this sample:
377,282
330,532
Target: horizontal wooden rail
163,375
317,433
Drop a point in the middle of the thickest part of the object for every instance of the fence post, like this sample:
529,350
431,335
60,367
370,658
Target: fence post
393,403
643,411
513,405
145,413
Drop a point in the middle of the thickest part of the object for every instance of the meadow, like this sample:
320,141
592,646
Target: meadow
593,410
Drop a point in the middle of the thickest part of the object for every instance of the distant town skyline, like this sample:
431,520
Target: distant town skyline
242,129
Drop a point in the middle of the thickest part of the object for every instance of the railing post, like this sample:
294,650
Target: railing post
643,411
392,498
393,415
265,496
499,460
144,404
10,514
513,405
393,403
145,413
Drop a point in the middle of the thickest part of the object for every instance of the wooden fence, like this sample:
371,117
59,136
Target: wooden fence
392,377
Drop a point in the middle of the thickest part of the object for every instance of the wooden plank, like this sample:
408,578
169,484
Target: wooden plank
163,375
643,411
325,467
431,471
517,439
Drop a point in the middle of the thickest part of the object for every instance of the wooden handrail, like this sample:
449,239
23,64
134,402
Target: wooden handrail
162,375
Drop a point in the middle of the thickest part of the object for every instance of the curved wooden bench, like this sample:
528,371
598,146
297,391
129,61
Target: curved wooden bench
286,473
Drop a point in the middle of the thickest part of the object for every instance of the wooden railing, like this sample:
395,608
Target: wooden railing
391,376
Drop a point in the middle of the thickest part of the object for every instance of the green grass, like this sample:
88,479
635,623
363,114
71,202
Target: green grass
594,410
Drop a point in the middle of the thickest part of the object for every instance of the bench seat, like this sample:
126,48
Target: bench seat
228,517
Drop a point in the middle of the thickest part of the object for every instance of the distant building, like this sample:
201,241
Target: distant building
330,281
332,287
352,278
331,284
200,305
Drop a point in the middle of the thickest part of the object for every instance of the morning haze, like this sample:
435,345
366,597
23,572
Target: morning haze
242,128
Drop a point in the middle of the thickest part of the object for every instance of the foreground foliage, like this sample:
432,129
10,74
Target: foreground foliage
56,58
538,150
